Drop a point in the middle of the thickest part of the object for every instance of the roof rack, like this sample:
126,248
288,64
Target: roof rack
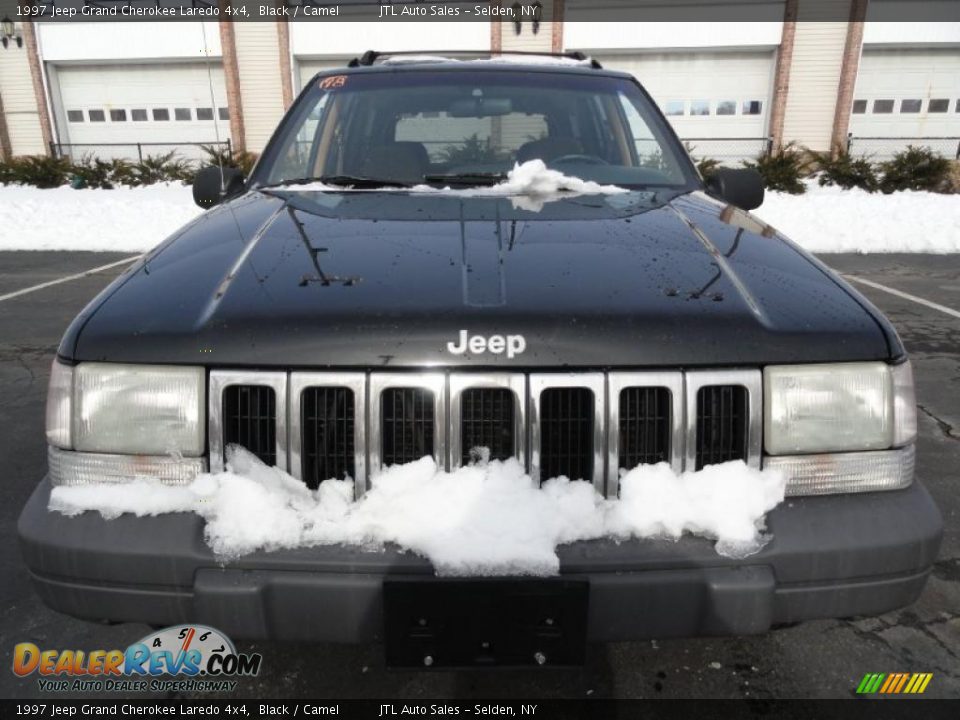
371,56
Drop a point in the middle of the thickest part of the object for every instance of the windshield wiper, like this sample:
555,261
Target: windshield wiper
470,178
356,181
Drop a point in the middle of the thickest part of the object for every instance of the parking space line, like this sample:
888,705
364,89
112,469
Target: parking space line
68,278
900,294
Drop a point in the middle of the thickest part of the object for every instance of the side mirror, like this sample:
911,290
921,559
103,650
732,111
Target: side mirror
743,188
210,187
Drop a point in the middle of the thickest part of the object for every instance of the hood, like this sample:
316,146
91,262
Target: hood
397,279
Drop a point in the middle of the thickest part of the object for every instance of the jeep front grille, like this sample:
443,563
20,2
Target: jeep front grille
406,424
250,420
721,424
644,426
583,425
566,433
327,417
487,421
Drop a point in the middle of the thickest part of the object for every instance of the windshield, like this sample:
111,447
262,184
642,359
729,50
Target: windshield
469,128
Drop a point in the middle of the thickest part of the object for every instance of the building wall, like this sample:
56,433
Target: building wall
98,41
814,81
526,41
656,36
258,58
20,102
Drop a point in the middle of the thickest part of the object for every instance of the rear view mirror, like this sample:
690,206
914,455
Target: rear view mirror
480,107
212,185
743,188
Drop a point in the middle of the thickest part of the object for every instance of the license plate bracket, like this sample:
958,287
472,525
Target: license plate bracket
439,623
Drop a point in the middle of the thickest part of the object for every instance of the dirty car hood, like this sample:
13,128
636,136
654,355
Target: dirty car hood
314,279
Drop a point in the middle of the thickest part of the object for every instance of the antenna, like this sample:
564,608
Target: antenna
213,103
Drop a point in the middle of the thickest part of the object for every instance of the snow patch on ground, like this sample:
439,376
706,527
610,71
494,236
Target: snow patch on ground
832,220
118,220
487,519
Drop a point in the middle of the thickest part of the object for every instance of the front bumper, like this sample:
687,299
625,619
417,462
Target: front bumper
829,557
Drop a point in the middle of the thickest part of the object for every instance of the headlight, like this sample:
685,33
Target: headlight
840,428
109,422
828,408
138,409
59,405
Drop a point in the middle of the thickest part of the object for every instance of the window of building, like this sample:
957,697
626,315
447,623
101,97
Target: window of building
118,115
700,107
674,107
161,114
223,113
940,105
96,115
751,107
181,114
204,113
726,107
910,106
859,107
883,107
75,115
138,114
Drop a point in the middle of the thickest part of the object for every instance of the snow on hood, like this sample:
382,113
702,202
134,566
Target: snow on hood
485,519
529,184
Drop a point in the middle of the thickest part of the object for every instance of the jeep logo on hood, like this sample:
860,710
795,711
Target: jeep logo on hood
513,345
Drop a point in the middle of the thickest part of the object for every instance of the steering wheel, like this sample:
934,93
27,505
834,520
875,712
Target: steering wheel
576,157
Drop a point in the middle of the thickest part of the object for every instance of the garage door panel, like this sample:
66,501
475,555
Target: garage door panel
711,77
171,104
896,75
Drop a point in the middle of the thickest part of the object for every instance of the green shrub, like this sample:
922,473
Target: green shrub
163,168
243,161
782,169
92,172
916,168
38,170
707,167
846,171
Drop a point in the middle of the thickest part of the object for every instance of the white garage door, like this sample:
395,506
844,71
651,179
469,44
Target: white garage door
906,95
106,110
718,102
310,67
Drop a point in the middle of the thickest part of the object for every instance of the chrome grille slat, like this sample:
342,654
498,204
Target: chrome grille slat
436,383
595,383
526,390
618,382
356,383
220,381
516,383
751,381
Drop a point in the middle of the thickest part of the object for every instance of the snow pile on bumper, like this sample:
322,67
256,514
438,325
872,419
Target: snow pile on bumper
488,519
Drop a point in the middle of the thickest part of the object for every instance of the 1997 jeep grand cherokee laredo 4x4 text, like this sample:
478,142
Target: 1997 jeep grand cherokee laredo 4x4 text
322,329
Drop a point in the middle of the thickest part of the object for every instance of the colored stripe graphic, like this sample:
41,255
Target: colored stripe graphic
894,683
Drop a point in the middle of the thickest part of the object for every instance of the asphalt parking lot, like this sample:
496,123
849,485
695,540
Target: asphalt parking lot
816,659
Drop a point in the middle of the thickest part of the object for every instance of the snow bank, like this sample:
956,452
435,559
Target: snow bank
120,220
832,220
486,519
825,220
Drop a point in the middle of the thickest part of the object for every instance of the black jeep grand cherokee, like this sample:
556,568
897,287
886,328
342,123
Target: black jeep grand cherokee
368,320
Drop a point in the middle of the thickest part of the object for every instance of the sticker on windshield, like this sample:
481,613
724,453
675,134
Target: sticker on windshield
334,81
